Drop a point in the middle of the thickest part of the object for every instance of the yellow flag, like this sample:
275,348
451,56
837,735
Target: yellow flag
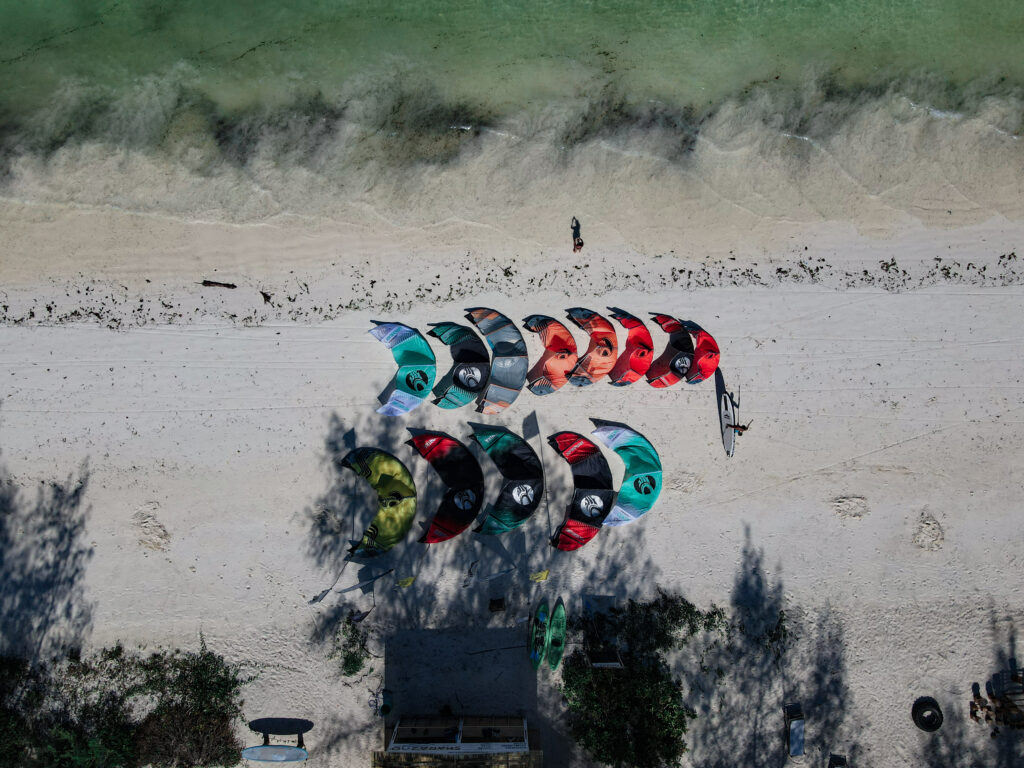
540,575
406,581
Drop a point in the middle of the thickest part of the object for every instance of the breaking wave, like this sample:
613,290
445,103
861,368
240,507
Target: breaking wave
875,153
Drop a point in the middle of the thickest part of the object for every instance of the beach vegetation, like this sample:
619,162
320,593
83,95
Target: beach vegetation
350,647
116,708
673,655
636,716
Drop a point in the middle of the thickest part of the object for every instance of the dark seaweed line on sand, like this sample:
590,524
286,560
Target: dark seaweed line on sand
114,306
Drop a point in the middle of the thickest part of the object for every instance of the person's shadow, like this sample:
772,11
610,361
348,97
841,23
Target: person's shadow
577,241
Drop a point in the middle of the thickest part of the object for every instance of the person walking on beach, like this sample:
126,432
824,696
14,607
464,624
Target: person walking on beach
577,241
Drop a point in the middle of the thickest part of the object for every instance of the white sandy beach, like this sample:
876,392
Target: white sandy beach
879,486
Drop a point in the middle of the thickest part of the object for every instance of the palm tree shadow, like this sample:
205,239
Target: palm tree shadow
43,609
774,655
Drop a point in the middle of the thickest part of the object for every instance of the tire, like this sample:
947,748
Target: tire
927,714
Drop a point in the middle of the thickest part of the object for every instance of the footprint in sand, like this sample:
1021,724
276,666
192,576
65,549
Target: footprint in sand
151,532
928,533
850,507
686,482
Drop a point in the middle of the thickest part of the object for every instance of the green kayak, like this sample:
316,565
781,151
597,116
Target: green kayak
540,629
556,636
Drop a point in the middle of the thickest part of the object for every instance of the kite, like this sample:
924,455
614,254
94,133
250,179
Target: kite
461,472
592,496
509,363
637,356
523,478
641,484
417,366
396,499
681,359
552,370
468,376
600,356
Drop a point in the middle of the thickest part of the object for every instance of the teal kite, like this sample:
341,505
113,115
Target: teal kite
641,484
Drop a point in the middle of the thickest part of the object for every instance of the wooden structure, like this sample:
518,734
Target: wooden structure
465,742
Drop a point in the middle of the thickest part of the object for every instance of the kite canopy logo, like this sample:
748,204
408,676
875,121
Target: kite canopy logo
681,363
645,485
523,494
464,499
591,506
470,376
417,381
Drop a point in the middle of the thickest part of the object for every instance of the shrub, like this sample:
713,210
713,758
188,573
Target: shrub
350,646
635,716
115,709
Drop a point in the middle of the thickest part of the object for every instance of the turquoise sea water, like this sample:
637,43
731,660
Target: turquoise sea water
208,88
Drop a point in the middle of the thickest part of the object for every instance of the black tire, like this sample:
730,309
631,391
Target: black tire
927,714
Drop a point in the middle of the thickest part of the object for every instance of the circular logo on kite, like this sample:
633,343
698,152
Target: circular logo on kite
681,363
417,381
591,505
470,377
645,485
522,494
464,499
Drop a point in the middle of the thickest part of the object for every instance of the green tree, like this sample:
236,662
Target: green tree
635,717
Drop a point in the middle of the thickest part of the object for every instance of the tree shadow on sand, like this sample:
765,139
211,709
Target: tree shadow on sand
43,609
457,580
774,655
960,743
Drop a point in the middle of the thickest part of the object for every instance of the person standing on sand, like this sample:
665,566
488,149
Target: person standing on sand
577,241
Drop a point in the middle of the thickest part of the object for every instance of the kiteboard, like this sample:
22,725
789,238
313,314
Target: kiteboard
728,413
540,629
556,635
275,753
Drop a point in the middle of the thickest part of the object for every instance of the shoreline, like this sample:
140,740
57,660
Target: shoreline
65,266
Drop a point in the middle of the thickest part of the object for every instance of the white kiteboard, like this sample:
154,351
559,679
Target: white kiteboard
728,412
